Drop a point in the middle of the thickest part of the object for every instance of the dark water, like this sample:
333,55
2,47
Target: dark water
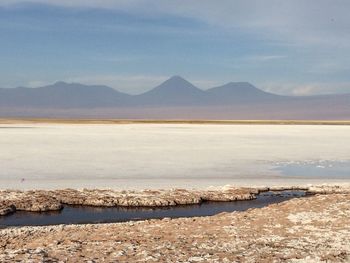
88,214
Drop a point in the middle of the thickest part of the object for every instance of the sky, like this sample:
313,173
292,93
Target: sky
292,47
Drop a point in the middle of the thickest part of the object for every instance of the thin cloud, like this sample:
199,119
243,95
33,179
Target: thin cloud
307,89
291,20
265,57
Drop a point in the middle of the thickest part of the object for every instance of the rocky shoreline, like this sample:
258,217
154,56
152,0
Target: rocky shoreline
313,229
51,200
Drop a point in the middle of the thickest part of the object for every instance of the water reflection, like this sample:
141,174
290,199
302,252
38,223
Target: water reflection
89,214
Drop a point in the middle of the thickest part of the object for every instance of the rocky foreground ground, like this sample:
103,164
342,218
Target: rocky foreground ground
309,229
46,200
49,200
313,229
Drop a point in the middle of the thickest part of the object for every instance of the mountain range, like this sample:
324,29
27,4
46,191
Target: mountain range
176,98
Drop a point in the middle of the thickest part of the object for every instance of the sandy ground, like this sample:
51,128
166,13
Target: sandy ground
313,229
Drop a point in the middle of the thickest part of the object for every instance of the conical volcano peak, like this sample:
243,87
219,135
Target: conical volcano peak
239,85
240,88
176,81
174,91
176,84
177,77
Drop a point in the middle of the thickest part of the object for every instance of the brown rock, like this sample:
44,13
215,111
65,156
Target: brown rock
6,208
313,229
40,200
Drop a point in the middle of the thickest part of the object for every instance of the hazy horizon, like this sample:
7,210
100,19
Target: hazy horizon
292,48
237,59
170,77
175,98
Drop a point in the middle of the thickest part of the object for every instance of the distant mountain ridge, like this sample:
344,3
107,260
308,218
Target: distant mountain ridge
174,98
175,91
61,94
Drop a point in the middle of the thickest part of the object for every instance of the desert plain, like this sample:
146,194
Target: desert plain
62,164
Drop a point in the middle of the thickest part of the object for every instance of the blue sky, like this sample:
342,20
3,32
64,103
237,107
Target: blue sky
287,47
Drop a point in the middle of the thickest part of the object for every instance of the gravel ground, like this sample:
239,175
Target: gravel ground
311,229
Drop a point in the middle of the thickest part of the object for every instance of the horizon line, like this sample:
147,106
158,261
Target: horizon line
170,78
